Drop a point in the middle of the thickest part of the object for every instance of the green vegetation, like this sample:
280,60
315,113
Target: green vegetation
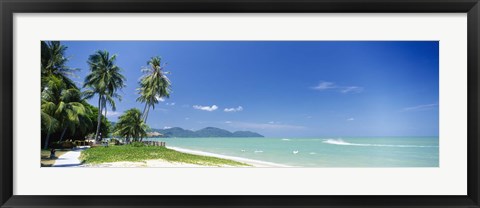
53,63
104,80
62,106
65,111
139,153
154,85
131,125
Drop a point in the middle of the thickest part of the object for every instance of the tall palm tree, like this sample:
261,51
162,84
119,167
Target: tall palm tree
154,85
131,125
104,80
53,63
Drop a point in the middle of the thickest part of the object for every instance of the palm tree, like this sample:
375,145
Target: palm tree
154,85
62,108
131,125
53,63
104,80
70,110
49,122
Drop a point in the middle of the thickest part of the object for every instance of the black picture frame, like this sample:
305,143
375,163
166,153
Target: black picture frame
10,7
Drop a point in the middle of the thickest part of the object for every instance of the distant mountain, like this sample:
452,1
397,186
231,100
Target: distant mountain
205,132
176,132
213,132
246,134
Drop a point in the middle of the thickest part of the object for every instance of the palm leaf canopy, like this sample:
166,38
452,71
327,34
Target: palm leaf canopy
54,63
131,125
154,84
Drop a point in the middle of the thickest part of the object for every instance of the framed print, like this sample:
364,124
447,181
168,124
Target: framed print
247,104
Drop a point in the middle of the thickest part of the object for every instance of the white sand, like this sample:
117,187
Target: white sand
254,163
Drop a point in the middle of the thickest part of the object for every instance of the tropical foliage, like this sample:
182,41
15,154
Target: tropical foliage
53,63
130,125
104,80
65,113
154,85
62,108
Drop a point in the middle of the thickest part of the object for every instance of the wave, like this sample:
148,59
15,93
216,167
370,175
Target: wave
341,142
286,139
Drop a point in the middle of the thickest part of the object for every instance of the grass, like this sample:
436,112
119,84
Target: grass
45,160
131,153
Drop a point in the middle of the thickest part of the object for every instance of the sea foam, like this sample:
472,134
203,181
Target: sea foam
342,142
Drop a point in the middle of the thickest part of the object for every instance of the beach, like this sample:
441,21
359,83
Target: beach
282,152
253,163
168,164
316,151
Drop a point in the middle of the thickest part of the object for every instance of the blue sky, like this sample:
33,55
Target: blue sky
284,88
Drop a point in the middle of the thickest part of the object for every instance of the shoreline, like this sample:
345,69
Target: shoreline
254,163
161,163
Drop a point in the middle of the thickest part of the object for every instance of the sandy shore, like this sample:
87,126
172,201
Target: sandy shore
254,163
168,164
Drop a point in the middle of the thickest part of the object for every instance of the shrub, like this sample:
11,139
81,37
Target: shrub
137,144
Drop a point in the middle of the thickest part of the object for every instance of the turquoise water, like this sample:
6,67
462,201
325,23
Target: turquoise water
323,152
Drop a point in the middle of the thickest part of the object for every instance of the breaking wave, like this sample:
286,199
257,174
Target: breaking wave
341,142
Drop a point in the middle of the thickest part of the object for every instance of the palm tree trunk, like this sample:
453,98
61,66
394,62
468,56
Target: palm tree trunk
105,108
144,109
45,146
63,134
146,115
99,119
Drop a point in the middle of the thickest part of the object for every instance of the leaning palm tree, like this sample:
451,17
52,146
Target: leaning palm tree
131,125
154,85
53,63
104,80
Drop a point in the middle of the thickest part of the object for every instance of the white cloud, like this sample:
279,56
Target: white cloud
239,108
161,99
170,104
228,122
350,119
167,127
113,113
323,86
187,118
206,108
351,89
421,107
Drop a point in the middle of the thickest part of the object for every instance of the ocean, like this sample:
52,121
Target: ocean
322,152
